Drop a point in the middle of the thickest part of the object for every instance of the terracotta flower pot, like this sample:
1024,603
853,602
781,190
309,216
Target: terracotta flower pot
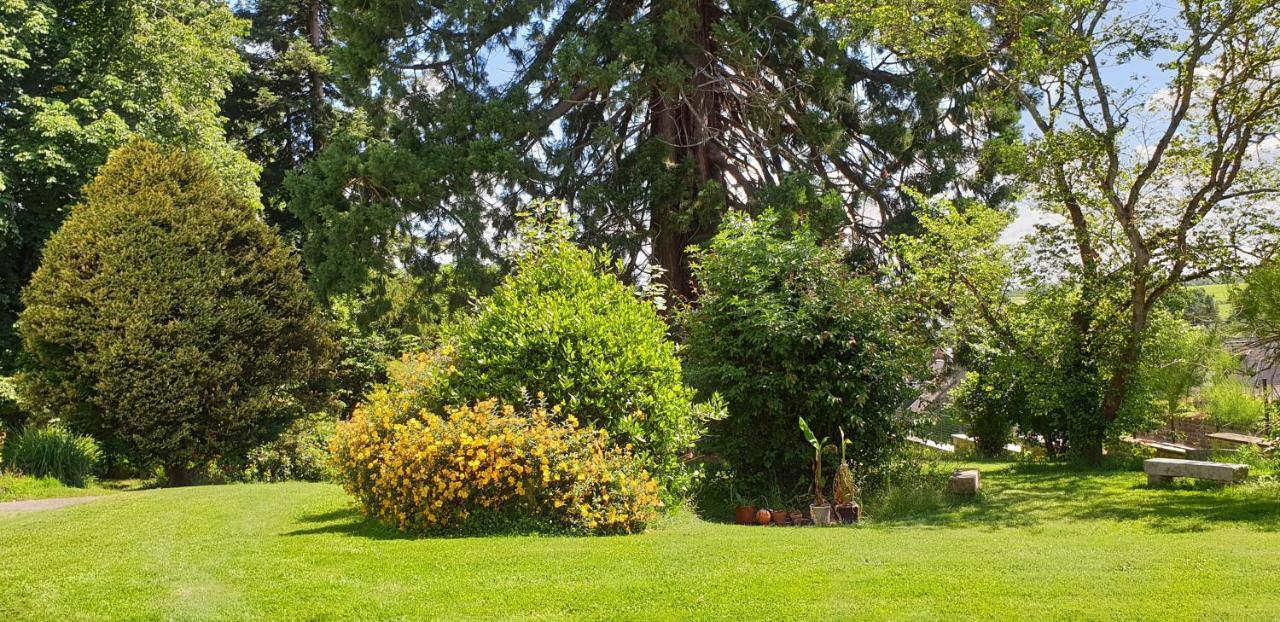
797,518
849,513
745,515
763,516
780,518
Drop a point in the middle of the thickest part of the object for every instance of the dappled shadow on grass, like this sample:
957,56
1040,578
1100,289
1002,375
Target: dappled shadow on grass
350,522
347,522
1029,495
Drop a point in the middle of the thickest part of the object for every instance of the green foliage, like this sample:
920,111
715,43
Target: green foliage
79,79
280,110
564,327
990,404
53,451
1182,351
1258,302
783,328
587,108
1230,403
1193,305
1061,348
1138,215
301,453
487,466
167,319
12,414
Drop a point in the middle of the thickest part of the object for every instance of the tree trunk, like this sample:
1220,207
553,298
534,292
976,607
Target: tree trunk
180,475
689,124
314,77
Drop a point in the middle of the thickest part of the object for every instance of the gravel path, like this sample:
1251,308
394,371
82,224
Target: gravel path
36,505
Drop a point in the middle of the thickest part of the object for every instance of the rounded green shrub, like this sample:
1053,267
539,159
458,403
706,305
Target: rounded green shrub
168,320
784,328
562,329
301,453
990,403
53,451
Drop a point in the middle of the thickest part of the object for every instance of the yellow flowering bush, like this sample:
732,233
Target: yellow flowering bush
487,464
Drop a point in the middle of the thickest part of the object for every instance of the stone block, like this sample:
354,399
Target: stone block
965,482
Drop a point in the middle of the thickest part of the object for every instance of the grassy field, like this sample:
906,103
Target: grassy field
1042,542
18,487
1221,293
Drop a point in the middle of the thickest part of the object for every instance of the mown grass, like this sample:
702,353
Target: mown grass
1041,542
16,487
21,488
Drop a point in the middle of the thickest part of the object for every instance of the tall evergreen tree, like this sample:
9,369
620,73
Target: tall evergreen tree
79,78
281,110
649,119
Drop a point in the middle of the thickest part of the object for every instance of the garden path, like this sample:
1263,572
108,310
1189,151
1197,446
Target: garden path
36,505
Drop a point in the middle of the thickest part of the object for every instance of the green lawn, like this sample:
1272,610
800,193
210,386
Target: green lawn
20,488
1042,543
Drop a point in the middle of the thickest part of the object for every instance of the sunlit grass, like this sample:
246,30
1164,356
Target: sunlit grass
1042,542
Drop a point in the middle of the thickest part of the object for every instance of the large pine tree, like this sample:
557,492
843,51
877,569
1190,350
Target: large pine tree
650,119
281,109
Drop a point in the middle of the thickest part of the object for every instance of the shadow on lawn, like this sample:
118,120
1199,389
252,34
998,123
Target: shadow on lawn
1029,495
350,522
347,522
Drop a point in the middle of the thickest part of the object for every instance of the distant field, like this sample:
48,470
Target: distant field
1221,293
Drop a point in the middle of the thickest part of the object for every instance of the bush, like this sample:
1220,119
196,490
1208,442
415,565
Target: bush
53,451
168,320
300,454
1230,403
989,403
564,327
12,414
488,466
783,327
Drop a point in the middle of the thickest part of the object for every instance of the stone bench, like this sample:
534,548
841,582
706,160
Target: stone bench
1161,471
1169,450
1232,440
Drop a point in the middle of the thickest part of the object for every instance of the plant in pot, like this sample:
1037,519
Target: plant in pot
820,510
781,517
845,488
744,513
763,516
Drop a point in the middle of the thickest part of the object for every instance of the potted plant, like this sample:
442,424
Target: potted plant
845,489
763,516
820,510
743,512
781,517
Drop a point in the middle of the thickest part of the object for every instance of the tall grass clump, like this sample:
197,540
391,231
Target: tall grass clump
53,451
1231,404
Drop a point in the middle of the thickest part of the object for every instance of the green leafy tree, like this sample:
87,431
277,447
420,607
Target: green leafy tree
649,120
784,328
1184,352
78,79
1154,189
167,320
1258,303
957,267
